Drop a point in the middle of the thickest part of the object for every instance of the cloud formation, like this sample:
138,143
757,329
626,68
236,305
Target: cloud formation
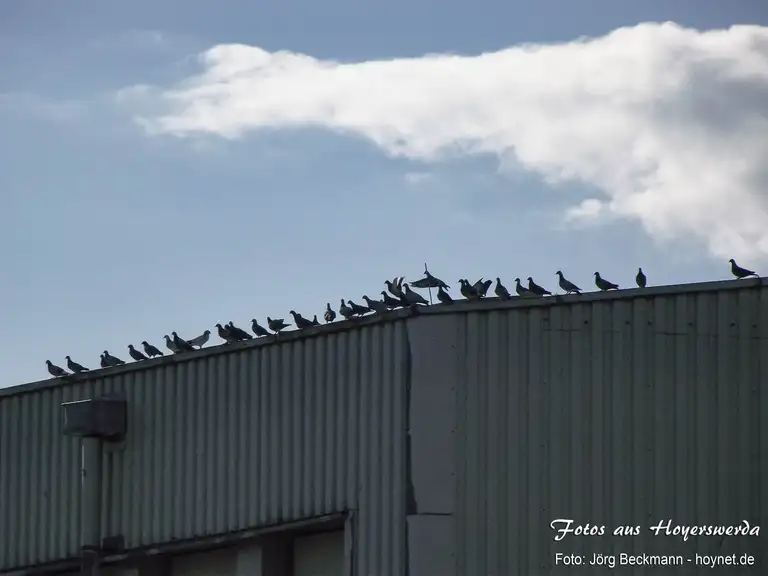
670,124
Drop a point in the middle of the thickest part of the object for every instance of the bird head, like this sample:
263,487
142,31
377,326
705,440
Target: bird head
342,301
48,362
327,305
253,321
106,353
130,346
167,337
383,293
597,274
293,312
517,280
639,270
559,273
175,335
498,279
530,279
144,343
366,298
207,332
67,357
269,319
231,325
732,261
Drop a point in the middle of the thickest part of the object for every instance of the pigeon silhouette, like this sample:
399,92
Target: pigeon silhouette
345,311
520,289
314,321
135,354
224,334
376,305
413,297
569,287
56,371
300,321
112,360
604,284
357,309
394,288
481,287
170,344
201,340
329,315
389,301
501,291
430,281
258,329
740,272
536,289
103,361
467,290
150,350
74,366
238,333
443,296
640,279
277,324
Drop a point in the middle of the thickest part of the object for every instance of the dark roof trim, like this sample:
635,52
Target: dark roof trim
460,307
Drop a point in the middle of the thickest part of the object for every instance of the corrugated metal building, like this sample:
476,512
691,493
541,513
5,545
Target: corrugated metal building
442,443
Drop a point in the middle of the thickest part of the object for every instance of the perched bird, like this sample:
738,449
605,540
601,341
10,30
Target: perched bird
182,344
357,309
640,278
467,290
501,291
314,321
224,334
536,289
237,332
604,284
103,361
300,321
56,371
276,325
201,340
329,315
135,354
376,306
521,290
389,301
170,344
481,287
394,288
569,287
258,329
413,297
150,350
430,281
74,366
443,296
740,272
345,310
112,360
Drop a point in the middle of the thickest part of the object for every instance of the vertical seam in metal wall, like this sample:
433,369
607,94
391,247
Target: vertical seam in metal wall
410,495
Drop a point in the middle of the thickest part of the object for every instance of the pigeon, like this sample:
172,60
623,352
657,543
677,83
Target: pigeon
170,344
443,296
276,325
376,306
357,309
389,301
501,290
237,332
201,340
569,287
182,344
413,297
258,329
740,272
394,288
329,315
224,334
481,287
300,321
135,354
345,310
603,284
112,360
103,362
74,366
56,371
640,278
430,281
536,289
314,321
467,290
520,289
151,350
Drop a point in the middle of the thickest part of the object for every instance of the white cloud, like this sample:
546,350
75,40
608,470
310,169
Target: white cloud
589,209
671,124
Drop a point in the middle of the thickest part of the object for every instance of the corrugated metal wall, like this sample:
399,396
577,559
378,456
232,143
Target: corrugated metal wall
223,442
612,412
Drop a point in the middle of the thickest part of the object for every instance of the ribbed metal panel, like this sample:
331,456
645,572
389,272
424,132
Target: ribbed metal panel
223,442
610,412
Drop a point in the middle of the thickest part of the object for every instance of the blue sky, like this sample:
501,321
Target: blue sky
136,203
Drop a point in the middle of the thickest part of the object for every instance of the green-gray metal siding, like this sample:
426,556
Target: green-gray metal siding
222,442
616,411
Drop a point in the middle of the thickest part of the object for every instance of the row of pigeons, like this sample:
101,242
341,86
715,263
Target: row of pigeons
397,295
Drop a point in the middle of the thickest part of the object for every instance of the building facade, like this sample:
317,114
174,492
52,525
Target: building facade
444,442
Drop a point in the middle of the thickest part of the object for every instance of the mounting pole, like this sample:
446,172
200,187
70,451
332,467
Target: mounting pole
430,289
